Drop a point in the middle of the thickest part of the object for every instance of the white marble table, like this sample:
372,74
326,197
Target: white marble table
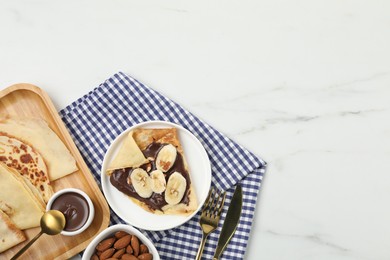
303,84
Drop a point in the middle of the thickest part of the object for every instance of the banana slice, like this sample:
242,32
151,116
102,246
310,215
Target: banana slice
176,187
158,181
166,157
142,183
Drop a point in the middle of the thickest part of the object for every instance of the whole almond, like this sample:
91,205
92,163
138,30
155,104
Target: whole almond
120,234
143,249
129,250
94,257
129,257
119,253
122,242
105,244
135,244
146,256
107,254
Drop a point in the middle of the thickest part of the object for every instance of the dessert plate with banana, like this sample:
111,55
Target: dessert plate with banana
156,175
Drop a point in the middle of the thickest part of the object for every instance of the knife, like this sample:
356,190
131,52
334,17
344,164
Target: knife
231,221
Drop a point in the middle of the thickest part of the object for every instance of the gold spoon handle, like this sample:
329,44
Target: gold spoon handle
21,251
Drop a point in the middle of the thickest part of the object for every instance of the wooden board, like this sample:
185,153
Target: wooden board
28,100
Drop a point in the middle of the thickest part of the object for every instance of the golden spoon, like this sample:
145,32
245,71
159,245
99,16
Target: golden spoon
52,223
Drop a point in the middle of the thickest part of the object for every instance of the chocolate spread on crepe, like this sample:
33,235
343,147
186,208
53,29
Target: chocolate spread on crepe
119,179
154,145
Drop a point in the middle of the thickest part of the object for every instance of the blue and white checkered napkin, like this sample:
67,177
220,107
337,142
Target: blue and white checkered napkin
98,117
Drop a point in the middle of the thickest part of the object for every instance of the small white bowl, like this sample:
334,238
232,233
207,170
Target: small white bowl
110,231
90,205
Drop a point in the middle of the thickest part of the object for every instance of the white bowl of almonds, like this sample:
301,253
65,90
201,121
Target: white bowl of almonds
121,242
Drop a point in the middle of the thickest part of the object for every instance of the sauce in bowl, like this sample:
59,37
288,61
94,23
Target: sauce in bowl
75,208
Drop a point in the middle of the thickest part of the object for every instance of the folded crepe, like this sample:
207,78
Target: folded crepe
10,235
36,133
17,200
129,155
150,167
29,163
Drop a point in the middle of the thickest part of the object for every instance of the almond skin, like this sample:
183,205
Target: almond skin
119,253
129,250
143,249
122,242
105,244
94,257
146,256
107,254
129,257
120,234
135,245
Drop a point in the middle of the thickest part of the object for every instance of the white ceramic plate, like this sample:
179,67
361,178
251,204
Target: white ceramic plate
200,172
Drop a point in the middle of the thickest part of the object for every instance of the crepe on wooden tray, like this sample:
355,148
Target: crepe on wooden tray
29,163
150,167
37,133
17,200
10,234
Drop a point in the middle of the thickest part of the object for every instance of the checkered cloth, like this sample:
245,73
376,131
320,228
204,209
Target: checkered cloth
121,102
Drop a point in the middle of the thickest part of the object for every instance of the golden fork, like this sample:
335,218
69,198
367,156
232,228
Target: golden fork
210,216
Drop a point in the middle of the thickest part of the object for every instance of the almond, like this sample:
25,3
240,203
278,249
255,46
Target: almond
119,253
107,254
135,244
146,256
129,257
129,250
120,234
105,244
122,242
143,249
94,257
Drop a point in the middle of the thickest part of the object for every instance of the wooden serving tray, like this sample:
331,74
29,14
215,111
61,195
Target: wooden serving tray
26,100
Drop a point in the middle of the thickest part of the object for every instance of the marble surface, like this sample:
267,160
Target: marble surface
303,84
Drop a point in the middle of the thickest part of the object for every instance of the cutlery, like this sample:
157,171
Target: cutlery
52,223
210,216
231,221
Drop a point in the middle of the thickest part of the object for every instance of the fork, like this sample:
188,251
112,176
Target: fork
210,216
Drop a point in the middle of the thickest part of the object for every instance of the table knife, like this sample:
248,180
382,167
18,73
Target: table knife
231,221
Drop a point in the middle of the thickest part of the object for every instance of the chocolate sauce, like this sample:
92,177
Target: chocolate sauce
119,178
75,208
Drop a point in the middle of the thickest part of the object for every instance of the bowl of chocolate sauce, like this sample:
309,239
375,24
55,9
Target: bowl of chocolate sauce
77,208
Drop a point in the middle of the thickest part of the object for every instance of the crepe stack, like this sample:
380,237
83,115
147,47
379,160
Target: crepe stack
31,156
151,162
